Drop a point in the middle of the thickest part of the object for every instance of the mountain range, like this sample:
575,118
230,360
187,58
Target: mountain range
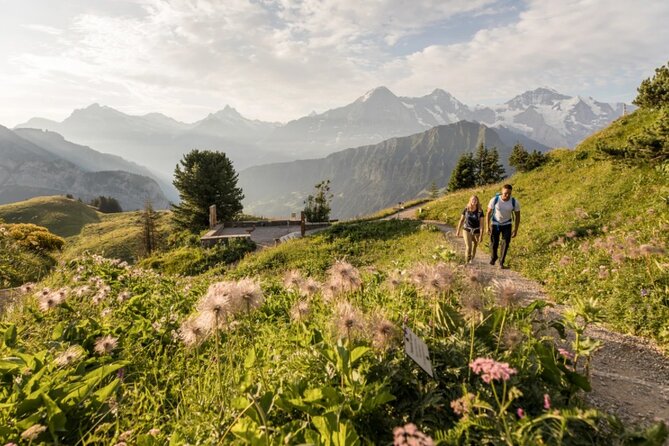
35,163
159,142
372,177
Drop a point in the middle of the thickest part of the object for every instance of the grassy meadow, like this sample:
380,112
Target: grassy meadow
594,228
304,343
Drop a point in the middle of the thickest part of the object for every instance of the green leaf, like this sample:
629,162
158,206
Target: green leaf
10,364
10,336
358,353
250,359
103,394
56,419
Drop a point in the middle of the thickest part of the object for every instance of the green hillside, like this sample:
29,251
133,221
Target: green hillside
62,216
116,236
593,227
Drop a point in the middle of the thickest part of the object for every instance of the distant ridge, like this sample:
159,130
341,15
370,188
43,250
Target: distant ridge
372,177
159,142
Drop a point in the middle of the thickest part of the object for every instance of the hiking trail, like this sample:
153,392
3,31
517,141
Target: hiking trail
629,374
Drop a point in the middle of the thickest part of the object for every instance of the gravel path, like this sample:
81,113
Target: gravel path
630,375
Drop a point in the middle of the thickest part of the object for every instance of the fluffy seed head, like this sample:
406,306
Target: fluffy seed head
70,356
409,435
292,280
347,320
300,311
384,333
105,345
507,295
309,287
346,276
33,432
250,293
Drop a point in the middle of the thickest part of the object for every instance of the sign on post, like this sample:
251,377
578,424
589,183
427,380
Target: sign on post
417,350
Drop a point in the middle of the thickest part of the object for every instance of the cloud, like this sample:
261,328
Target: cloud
280,59
574,46
43,29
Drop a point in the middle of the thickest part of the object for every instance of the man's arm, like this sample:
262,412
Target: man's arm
517,223
488,220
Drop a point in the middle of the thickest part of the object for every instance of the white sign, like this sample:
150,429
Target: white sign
417,350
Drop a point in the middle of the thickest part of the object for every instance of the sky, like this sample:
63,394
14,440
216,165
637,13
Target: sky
278,60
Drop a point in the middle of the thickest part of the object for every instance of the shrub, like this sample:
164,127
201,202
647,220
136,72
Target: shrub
654,93
33,237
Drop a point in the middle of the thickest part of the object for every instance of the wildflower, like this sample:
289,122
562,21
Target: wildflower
156,325
69,356
125,295
566,354
384,332
80,291
506,293
648,250
394,280
617,257
292,280
51,300
331,290
309,287
419,274
250,293
603,272
121,443
300,311
106,312
221,300
192,332
105,345
571,234
474,275
347,320
547,401
512,337
154,432
520,412
490,370
27,288
345,275
564,261
43,293
463,405
33,432
471,307
409,435
125,436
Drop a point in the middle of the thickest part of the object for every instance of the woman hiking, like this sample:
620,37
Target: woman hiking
471,220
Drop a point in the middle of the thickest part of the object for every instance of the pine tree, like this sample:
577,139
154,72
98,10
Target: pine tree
523,161
654,93
434,191
205,178
464,173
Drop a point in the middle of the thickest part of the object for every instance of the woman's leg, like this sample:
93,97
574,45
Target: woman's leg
475,243
467,236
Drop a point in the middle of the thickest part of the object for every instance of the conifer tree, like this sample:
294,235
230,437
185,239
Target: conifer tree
205,178
464,173
654,93
434,191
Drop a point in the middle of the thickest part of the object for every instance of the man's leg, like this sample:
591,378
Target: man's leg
494,243
506,241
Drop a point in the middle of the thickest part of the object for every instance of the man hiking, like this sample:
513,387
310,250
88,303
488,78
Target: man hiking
503,211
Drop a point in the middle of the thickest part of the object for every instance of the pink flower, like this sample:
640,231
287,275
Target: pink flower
566,354
490,370
547,401
409,435
520,412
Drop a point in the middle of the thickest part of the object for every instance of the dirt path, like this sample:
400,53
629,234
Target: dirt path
630,376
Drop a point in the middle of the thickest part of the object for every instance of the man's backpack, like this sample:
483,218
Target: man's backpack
494,203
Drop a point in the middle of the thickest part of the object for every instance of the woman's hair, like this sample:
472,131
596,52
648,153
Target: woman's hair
474,204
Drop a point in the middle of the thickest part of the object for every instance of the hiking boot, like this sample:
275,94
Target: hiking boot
492,261
503,266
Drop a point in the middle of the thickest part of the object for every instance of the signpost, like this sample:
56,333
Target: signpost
417,350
